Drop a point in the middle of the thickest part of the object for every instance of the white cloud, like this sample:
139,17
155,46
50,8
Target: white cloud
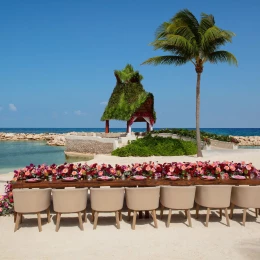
1,108
79,113
66,113
103,103
12,107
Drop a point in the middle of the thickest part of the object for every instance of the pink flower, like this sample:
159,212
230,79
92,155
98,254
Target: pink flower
226,168
83,172
169,173
112,171
27,173
139,169
65,170
232,168
74,173
1,209
183,167
148,168
100,173
218,170
54,171
248,167
171,169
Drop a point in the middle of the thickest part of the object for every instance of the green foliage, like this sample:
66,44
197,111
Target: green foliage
188,40
205,136
128,74
128,95
157,146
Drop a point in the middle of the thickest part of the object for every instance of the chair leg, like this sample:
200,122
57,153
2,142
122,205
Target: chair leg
244,217
117,220
39,221
129,215
58,222
95,220
197,210
220,213
85,215
232,206
120,215
48,215
134,220
169,218
186,215
80,221
227,217
15,215
161,213
21,219
189,218
154,218
256,213
17,222
93,215
207,218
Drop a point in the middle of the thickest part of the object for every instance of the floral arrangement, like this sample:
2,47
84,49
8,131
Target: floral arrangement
150,170
6,201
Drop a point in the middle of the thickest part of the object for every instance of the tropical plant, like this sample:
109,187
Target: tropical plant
188,40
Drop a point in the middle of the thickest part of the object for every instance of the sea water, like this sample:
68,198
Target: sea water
17,154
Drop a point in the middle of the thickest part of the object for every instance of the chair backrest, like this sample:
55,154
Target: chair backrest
174,197
246,196
69,200
213,196
142,198
107,199
31,200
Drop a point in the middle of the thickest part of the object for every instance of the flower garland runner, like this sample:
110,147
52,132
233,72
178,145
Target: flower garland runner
150,170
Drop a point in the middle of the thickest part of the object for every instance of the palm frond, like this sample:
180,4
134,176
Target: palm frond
206,22
213,38
186,18
222,56
162,30
174,42
168,60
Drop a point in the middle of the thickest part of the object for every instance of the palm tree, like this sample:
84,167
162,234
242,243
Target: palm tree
188,40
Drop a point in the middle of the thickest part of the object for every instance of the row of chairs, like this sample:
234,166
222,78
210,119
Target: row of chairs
137,199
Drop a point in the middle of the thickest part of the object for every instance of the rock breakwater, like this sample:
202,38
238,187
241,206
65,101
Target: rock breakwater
248,140
53,139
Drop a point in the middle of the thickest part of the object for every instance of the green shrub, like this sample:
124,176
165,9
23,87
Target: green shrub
205,136
158,146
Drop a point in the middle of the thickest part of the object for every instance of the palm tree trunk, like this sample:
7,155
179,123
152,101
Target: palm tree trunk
199,153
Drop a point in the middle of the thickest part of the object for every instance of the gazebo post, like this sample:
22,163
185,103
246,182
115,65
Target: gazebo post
148,129
127,127
107,127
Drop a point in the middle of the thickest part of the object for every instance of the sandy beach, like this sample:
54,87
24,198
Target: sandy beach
106,242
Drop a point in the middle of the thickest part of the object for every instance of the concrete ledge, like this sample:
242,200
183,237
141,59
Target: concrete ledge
223,145
90,145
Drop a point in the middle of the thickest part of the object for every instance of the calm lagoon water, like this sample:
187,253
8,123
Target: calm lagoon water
17,154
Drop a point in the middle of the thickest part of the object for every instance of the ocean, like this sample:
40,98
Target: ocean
221,131
17,154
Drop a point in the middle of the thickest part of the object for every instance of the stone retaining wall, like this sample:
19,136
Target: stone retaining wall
90,145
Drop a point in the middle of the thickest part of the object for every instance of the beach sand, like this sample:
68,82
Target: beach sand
106,242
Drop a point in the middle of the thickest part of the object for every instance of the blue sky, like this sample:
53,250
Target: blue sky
58,57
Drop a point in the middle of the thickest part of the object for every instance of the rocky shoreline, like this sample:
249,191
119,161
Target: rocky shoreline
248,140
56,139
52,139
